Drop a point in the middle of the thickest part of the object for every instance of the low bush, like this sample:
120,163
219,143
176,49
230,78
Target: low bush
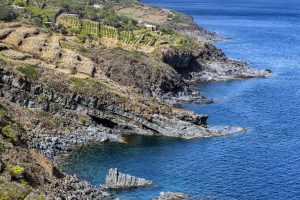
8,134
16,170
29,72
77,82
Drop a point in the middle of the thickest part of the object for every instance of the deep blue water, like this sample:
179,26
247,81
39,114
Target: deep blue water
262,163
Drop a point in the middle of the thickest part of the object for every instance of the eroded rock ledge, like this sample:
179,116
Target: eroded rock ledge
118,180
208,64
104,121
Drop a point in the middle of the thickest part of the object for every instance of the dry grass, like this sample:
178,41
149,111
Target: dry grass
145,13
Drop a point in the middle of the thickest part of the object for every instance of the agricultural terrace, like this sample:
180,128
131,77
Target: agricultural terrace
94,28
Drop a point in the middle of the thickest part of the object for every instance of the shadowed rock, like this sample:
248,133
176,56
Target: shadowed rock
118,180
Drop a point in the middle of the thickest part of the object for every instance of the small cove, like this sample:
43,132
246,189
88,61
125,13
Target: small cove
261,163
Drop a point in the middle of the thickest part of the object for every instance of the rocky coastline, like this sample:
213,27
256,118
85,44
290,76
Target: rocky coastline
44,118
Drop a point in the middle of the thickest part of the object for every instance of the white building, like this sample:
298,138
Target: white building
98,6
151,27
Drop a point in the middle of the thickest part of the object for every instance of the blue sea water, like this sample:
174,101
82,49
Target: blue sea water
261,163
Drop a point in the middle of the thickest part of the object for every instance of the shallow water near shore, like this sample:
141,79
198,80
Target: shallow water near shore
261,163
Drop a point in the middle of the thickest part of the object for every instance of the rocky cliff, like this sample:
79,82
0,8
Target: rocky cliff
57,92
208,64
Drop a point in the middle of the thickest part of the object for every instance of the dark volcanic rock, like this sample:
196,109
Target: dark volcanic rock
208,64
198,119
71,188
118,180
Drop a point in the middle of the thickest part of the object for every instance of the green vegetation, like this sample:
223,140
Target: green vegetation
5,59
3,114
9,191
183,43
40,13
82,36
124,97
16,170
89,85
97,85
127,37
71,22
86,28
86,21
108,32
157,72
136,54
7,132
24,183
77,82
42,98
56,107
178,17
83,121
91,27
29,72
2,148
18,3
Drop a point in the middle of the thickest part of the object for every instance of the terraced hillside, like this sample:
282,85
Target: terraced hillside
102,31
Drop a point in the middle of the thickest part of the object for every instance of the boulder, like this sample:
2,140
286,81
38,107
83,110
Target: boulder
171,196
118,180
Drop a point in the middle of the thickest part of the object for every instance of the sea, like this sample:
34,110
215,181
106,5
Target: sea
262,163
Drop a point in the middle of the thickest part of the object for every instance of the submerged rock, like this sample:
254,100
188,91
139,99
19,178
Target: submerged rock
171,196
118,180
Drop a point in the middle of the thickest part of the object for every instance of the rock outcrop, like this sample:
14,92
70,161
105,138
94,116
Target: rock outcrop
94,118
208,64
118,180
26,174
70,187
171,196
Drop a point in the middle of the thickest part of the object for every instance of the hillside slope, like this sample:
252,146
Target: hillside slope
60,87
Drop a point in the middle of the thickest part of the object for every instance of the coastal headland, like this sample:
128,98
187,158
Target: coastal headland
70,77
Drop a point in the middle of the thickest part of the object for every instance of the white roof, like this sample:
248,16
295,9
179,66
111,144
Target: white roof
97,5
150,25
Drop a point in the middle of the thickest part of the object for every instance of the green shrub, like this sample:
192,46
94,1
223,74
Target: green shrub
37,12
83,34
24,183
4,58
7,133
77,82
3,114
56,107
180,41
29,72
18,3
83,121
16,170
97,85
9,191
136,54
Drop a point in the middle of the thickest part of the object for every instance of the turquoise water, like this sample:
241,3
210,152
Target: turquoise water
262,163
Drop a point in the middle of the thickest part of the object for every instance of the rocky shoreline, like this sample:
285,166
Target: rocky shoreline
84,98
